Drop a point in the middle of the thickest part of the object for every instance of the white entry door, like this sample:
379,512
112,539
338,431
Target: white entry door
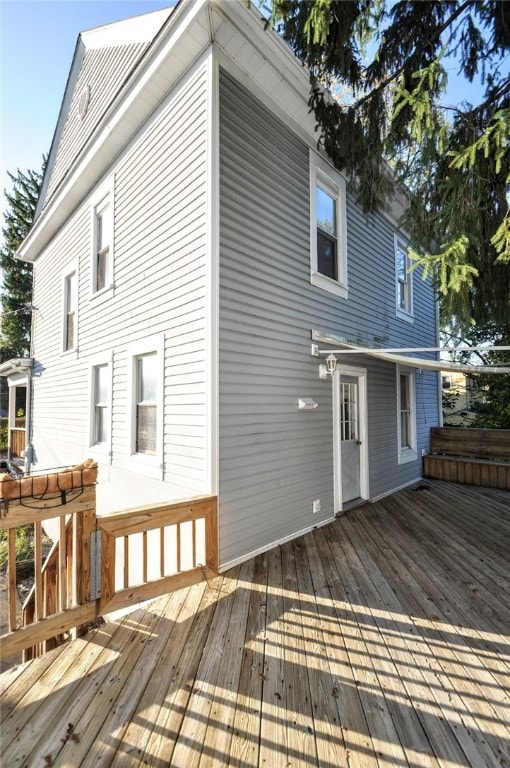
350,436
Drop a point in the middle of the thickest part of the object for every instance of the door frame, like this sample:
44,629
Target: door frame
361,375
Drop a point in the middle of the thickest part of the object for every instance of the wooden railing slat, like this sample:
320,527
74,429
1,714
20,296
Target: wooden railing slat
178,547
11,577
107,570
211,542
62,556
126,561
38,571
161,552
144,556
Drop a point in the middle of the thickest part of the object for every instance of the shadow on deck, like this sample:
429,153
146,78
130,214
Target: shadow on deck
380,640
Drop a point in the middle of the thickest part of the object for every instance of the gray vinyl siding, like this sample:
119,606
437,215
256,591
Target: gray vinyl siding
274,459
160,286
104,71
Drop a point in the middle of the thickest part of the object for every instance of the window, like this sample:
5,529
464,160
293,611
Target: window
404,283
70,311
100,388
102,246
102,240
328,242
146,406
406,416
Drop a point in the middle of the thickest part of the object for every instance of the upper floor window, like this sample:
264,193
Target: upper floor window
102,246
102,240
328,240
70,311
406,408
404,283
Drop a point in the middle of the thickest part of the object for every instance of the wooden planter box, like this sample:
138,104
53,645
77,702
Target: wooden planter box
48,485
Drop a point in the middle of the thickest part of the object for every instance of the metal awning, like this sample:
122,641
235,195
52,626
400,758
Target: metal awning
400,356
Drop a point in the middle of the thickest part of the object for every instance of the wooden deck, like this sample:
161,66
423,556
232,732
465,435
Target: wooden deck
382,639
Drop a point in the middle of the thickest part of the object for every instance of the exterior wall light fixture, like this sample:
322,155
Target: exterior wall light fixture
331,362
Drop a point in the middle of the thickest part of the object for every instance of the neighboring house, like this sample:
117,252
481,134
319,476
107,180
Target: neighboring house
460,394
17,373
191,243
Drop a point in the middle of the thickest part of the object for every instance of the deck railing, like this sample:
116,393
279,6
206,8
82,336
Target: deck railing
59,600
153,550
98,565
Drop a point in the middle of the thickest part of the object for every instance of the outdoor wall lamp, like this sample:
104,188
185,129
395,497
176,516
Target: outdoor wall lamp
331,362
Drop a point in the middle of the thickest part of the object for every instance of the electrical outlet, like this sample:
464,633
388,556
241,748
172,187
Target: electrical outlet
316,506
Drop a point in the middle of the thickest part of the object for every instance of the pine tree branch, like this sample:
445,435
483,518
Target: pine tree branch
383,85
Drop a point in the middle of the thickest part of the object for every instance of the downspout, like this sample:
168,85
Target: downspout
28,424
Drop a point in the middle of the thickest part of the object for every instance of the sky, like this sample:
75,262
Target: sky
37,42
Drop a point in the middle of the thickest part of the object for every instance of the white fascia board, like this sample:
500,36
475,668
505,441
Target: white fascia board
136,29
79,54
132,106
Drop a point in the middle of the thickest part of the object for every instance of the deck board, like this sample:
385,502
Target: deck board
380,640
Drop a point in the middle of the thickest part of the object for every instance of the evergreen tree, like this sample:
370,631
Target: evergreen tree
493,406
16,295
455,160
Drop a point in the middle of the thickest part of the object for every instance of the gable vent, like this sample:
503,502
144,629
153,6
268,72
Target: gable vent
84,102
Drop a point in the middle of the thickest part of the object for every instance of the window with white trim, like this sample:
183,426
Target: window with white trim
70,319
102,240
146,416
328,238
146,406
404,279
100,405
103,247
406,412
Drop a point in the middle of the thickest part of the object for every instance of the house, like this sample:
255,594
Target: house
460,394
196,260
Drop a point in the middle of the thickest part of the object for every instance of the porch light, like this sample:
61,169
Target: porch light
331,362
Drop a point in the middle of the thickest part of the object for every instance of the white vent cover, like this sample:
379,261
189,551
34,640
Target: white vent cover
84,102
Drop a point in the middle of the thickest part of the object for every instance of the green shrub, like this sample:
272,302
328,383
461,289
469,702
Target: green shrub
3,434
24,545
